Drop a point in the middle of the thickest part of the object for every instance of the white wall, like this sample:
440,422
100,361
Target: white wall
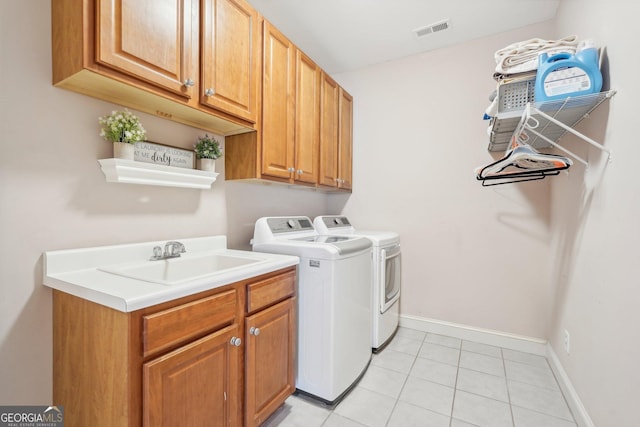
471,255
54,196
595,222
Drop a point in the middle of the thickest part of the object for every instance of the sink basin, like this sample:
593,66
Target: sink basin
179,270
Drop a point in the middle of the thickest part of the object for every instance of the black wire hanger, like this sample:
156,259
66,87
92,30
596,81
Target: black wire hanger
521,163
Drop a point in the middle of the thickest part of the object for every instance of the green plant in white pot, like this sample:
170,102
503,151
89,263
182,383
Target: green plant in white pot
124,129
207,151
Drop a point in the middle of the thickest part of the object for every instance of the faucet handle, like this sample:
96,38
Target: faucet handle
174,248
157,253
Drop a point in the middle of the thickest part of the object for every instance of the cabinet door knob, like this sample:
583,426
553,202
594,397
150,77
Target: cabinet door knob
291,169
209,92
235,341
189,83
254,331
299,171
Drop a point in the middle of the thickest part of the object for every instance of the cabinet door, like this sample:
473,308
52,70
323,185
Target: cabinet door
307,133
278,87
329,93
195,385
345,141
153,40
270,358
230,62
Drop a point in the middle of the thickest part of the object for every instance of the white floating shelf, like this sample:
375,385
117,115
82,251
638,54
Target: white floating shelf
132,172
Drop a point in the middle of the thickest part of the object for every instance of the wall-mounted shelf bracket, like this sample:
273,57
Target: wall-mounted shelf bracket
531,121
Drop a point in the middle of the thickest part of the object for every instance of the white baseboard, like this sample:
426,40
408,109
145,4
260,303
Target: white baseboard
470,333
573,400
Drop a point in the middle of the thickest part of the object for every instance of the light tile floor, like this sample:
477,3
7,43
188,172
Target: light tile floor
423,379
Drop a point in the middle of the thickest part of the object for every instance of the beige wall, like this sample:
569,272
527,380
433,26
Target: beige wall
595,226
471,255
54,196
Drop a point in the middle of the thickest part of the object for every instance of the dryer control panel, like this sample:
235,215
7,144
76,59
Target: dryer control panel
335,221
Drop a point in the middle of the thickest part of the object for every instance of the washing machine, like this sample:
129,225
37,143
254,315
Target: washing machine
386,274
334,303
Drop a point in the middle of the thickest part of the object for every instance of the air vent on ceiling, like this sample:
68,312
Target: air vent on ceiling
433,28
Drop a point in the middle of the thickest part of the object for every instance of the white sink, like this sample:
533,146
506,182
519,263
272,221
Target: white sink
175,271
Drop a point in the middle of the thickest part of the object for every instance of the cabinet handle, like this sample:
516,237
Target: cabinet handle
254,331
235,341
299,171
209,92
291,169
189,83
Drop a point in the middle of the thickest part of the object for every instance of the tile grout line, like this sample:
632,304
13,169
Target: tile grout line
395,404
455,386
506,384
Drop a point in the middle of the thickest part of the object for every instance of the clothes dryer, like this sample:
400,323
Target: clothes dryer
334,303
386,274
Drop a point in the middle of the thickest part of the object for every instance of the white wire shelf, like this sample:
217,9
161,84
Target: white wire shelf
569,111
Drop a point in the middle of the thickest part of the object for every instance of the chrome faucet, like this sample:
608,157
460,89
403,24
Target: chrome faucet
172,249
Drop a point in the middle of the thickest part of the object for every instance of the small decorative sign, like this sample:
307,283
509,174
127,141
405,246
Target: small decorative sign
151,152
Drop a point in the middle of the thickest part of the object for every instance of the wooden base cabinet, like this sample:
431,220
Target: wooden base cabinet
270,359
193,385
183,363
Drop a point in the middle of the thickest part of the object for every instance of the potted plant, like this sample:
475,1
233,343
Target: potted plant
122,128
207,151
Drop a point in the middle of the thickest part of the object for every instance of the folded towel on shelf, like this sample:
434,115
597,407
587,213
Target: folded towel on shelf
492,110
523,56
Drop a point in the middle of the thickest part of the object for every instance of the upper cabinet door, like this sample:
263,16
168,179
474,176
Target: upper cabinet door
278,92
329,93
345,141
153,40
307,119
230,57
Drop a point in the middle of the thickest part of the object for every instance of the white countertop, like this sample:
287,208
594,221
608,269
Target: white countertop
77,272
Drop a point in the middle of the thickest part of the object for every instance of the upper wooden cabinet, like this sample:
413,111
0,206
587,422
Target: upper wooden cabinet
307,119
329,98
278,94
145,54
290,112
153,40
345,140
305,134
336,141
230,57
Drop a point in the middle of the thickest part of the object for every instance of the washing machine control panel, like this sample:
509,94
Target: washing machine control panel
284,225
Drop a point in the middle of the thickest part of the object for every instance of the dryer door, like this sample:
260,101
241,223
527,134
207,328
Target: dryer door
391,275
